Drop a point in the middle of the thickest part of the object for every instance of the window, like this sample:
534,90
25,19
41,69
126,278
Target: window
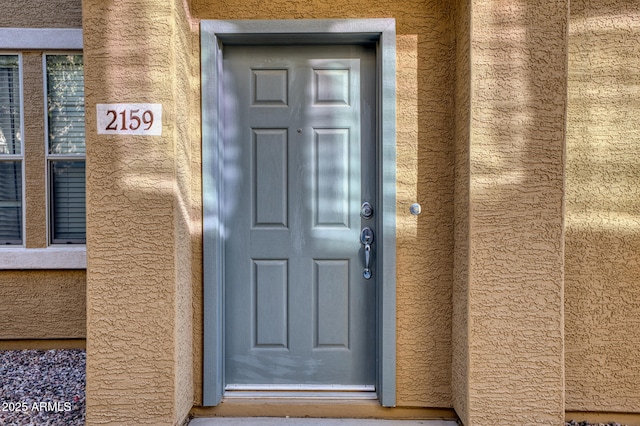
42,155
65,140
11,161
66,148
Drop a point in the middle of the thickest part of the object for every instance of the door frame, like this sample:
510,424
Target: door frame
214,34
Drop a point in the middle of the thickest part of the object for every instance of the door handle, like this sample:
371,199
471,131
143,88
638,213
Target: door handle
366,238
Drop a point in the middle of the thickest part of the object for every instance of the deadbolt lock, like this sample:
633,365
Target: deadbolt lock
366,210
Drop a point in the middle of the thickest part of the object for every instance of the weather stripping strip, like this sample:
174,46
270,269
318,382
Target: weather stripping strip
300,392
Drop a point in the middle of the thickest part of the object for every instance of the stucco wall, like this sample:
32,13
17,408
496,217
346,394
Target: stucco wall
41,14
507,150
42,304
425,42
187,205
602,266
139,209
460,297
509,282
34,151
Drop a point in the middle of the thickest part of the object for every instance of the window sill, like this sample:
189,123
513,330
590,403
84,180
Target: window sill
44,258
41,38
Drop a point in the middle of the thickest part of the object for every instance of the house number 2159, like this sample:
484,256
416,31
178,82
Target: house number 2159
129,119
134,122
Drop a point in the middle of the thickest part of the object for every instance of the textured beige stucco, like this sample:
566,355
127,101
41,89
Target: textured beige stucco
509,282
42,304
41,14
460,295
481,102
139,312
425,42
34,151
187,205
603,208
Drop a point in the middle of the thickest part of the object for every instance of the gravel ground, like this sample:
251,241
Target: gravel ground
42,387
574,423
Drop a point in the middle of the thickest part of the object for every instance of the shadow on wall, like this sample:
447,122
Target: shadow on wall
602,302
425,55
425,175
516,208
140,223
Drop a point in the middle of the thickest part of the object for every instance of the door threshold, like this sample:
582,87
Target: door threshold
364,392
319,408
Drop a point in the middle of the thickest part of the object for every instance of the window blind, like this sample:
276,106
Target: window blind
9,105
65,105
65,98
10,202
68,201
10,144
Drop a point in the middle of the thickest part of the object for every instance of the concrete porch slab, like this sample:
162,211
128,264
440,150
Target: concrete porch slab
295,421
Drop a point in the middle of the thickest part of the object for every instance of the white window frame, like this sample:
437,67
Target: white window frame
14,41
49,158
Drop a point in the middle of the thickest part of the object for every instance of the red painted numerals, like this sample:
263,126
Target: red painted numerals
129,119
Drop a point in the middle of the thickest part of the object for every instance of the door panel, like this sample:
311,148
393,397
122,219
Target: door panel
331,186
331,294
270,188
271,282
300,159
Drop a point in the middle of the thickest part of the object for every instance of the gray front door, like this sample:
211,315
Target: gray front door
299,161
